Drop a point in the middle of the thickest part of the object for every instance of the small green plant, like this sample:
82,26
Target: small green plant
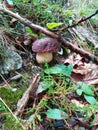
11,121
37,111
62,74
60,69
2,107
31,32
87,92
88,111
56,114
9,96
53,25
54,82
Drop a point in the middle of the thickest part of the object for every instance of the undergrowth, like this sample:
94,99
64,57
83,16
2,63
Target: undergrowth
44,11
56,89
56,86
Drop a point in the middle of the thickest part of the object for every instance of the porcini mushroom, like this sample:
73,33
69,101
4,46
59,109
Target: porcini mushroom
44,48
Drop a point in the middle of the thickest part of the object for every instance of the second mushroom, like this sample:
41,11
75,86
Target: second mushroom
44,48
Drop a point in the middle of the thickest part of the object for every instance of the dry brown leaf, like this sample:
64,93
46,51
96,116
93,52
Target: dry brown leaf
77,77
82,71
94,81
69,60
77,102
19,40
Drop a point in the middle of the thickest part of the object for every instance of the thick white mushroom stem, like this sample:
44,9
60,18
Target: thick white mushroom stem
44,57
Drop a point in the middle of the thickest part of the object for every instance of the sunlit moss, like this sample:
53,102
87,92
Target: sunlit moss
11,95
11,124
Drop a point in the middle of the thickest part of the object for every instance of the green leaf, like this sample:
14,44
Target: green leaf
53,25
43,86
86,89
79,91
31,31
90,99
67,69
56,114
25,1
60,69
53,70
95,106
69,13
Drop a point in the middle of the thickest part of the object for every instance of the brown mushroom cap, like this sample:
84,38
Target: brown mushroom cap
46,45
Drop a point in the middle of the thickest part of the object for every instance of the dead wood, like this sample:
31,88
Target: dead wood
83,53
80,21
24,100
28,23
43,30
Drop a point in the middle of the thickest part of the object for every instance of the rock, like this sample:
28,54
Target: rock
12,61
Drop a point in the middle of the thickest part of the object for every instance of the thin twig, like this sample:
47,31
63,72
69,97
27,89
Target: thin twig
5,81
78,22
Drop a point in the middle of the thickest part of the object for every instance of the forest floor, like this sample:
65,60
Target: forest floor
60,95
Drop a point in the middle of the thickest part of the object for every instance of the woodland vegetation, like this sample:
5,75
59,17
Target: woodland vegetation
48,65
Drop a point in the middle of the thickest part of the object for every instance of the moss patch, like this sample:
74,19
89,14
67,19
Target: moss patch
11,98
11,124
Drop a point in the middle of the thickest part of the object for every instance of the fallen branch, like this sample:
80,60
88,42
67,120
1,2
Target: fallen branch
83,53
29,23
80,21
43,30
24,100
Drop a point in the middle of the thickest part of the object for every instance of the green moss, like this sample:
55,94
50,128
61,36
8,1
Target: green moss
11,124
11,97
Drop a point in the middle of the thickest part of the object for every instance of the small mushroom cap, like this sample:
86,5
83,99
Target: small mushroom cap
46,45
